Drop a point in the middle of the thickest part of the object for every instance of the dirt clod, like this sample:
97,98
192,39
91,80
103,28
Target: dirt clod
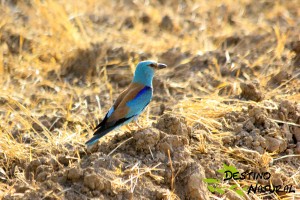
166,23
274,144
128,23
171,142
80,62
278,79
146,139
230,95
297,148
173,125
145,18
195,187
13,41
295,47
74,174
251,91
93,182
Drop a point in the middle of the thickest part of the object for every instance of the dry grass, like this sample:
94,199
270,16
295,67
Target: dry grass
32,104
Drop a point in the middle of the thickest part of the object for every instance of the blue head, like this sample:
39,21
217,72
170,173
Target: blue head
144,72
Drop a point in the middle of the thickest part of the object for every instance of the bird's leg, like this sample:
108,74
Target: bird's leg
128,127
135,120
137,124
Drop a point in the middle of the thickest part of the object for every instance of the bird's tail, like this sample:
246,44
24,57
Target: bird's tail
98,134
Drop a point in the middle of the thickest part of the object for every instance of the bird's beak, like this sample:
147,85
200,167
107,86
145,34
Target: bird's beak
161,65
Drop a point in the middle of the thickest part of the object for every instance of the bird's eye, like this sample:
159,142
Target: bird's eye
152,65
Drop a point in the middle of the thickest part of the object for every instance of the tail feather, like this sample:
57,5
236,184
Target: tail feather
103,131
97,135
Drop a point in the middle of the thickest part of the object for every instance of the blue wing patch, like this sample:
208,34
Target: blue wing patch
144,90
140,101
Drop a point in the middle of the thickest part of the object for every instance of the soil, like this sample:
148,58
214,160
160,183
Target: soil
236,103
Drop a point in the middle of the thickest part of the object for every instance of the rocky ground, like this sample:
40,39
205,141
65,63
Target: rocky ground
230,95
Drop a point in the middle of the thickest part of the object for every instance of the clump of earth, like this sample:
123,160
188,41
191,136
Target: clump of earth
230,95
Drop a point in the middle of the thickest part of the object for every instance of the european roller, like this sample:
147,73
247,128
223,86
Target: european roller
131,102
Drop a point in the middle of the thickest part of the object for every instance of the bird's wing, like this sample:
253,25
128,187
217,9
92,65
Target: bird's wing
113,108
139,102
129,104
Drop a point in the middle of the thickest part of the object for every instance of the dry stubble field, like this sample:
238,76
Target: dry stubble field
230,95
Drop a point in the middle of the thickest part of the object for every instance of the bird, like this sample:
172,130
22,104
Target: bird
131,102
